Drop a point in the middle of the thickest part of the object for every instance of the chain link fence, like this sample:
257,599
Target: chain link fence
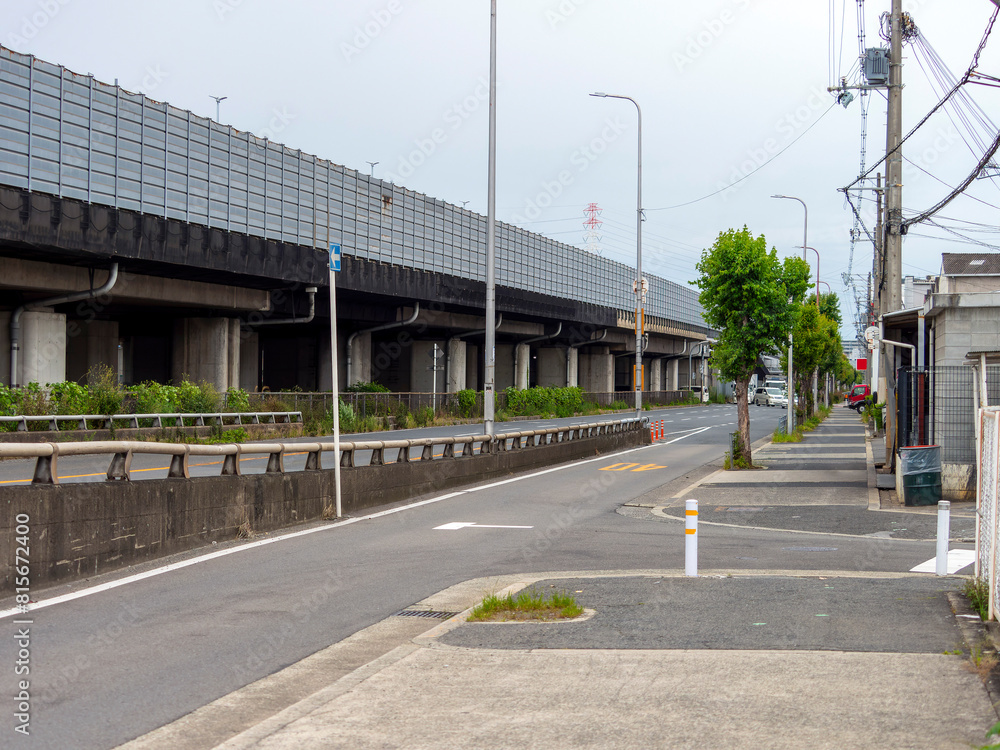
987,565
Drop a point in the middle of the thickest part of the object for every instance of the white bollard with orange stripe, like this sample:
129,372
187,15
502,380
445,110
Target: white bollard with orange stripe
691,538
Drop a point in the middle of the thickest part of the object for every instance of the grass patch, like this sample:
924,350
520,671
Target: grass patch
529,604
784,437
977,591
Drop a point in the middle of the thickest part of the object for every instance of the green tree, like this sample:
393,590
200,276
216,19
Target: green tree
817,347
745,291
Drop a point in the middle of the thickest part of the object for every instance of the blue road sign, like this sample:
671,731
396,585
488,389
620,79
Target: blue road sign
334,257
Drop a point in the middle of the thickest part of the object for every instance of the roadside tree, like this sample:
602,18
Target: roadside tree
746,293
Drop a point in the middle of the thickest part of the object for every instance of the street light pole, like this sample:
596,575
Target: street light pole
489,376
640,311
791,389
372,165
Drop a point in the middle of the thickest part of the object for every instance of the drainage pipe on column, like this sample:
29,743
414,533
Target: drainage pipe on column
15,318
311,291
384,327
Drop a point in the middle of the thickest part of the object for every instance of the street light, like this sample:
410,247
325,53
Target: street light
817,274
372,165
640,312
218,102
805,242
816,371
489,375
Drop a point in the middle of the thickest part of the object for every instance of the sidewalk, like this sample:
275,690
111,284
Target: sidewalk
733,659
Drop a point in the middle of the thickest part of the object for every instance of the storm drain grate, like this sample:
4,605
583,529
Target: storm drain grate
428,613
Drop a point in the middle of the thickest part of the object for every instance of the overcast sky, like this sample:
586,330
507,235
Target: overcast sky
724,86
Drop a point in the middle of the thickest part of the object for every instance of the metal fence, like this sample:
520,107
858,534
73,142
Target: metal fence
466,404
936,406
988,504
73,136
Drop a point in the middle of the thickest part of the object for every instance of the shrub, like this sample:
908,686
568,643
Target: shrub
69,398
106,394
237,400
360,387
468,401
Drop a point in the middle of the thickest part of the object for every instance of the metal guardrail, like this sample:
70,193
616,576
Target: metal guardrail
386,404
122,451
104,421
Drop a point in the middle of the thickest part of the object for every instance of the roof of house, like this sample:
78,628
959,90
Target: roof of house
967,264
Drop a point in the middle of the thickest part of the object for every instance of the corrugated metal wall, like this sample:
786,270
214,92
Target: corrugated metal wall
76,137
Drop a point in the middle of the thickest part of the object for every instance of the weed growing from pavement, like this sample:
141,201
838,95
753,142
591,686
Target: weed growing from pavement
529,604
993,737
982,659
977,591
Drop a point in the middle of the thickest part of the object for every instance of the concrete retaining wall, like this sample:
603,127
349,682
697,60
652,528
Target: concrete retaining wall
79,530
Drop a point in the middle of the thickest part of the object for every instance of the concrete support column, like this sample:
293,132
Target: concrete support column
551,367
457,352
472,367
522,361
42,355
505,366
361,359
421,374
249,361
5,347
656,375
89,344
203,348
233,355
597,370
572,367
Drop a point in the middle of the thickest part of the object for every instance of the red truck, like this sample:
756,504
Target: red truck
856,397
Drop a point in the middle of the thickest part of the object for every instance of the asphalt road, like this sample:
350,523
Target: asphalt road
94,468
119,662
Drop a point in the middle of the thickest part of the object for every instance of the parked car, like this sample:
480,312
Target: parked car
856,397
769,397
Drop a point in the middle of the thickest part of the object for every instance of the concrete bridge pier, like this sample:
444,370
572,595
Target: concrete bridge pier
90,344
522,364
597,370
551,367
572,366
207,349
42,349
457,366
655,375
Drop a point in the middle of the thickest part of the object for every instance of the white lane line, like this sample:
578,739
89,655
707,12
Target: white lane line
957,559
457,525
295,534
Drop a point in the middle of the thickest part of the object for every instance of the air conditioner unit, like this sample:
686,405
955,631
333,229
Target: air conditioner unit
877,66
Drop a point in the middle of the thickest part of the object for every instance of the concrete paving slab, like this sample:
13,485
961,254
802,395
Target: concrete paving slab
780,476
434,698
733,493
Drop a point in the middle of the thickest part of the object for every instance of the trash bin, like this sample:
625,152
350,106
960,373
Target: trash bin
920,466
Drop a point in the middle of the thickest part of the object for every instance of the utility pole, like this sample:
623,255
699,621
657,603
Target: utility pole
894,164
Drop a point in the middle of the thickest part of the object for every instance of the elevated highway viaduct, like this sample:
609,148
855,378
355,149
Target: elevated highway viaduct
140,236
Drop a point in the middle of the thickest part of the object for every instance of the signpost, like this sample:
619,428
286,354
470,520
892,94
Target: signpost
334,385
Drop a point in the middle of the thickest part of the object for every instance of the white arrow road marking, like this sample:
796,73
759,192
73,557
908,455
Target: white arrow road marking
957,559
456,525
